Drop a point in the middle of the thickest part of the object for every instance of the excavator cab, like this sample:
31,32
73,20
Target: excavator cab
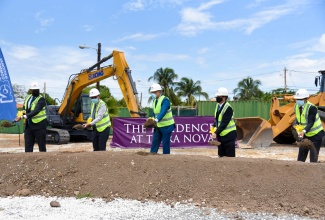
81,108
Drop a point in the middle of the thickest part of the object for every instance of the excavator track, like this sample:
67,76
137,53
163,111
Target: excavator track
57,136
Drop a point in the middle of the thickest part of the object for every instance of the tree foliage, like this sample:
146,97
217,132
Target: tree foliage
248,89
190,89
166,78
49,100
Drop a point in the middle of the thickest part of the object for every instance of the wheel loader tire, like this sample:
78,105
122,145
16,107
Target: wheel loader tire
321,115
285,137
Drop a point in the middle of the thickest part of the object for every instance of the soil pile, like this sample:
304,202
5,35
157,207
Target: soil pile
227,184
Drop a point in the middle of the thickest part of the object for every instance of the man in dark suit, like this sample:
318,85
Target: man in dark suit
225,124
307,116
35,120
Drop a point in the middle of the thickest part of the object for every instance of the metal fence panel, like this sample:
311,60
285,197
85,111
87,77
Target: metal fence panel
241,108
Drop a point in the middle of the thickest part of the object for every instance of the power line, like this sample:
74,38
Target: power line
240,77
307,72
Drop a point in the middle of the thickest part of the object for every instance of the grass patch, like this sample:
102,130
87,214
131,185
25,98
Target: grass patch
86,195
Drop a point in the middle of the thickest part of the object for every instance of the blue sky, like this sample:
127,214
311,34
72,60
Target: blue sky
218,42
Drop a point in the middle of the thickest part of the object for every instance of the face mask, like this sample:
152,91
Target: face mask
94,101
300,102
35,92
153,96
219,99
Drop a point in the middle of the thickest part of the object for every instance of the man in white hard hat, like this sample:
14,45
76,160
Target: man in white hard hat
307,116
165,121
35,116
225,124
99,120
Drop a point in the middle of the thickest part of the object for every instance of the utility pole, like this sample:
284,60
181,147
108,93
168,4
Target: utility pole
44,94
285,80
99,49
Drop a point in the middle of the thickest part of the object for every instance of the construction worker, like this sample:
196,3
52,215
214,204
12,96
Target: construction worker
163,116
225,124
307,116
99,120
35,116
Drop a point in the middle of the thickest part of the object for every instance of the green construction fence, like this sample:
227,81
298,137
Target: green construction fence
203,108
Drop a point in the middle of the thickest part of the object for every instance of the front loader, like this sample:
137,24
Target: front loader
258,132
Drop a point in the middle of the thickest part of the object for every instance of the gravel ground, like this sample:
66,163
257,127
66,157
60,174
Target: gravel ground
36,207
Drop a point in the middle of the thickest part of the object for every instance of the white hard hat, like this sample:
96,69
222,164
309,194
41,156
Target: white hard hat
93,92
155,87
34,85
222,92
301,94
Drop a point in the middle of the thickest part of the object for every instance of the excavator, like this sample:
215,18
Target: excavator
258,132
75,106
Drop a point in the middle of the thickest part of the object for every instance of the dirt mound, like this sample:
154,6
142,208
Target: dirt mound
228,184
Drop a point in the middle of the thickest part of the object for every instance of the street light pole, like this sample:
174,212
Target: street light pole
98,50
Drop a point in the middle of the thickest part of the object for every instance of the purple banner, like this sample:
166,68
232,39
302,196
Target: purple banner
189,132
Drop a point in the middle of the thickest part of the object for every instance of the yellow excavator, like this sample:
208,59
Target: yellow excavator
75,107
258,132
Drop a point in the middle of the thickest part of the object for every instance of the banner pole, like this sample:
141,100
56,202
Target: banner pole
19,135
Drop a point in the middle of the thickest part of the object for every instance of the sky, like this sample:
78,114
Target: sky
216,42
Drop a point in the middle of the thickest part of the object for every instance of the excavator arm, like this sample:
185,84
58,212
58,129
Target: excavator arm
119,69
73,108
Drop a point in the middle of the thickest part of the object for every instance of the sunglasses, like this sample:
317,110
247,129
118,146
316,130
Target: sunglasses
94,97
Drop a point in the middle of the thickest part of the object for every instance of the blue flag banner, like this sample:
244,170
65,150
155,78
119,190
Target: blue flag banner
8,109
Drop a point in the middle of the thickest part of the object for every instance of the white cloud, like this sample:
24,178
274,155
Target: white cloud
162,57
44,22
320,46
209,4
199,19
139,5
201,61
138,37
87,27
203,50
23,52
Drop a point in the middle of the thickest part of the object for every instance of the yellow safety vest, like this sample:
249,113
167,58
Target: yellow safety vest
303,120
105,121
41,115
231,125
168,119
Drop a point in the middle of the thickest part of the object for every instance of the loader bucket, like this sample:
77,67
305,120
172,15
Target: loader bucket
253,132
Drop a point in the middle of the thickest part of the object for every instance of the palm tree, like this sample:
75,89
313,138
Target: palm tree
188,88
166,77
248,89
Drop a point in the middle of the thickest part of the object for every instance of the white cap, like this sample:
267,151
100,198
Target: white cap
301,94
221,92
34,85
93,92
155,87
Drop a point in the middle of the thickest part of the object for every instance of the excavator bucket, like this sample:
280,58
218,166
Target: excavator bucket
253,132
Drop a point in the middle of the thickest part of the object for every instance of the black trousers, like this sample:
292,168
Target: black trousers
100,139
313,155
30,135
227,148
